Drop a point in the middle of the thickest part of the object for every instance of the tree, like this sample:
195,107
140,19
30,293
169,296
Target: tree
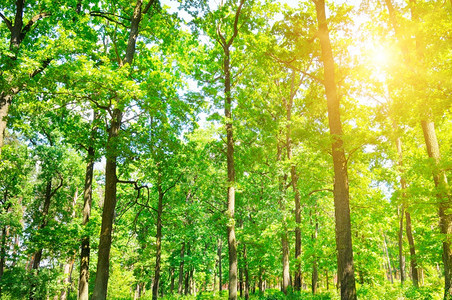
341,190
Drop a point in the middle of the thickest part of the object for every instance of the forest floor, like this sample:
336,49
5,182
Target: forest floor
386,291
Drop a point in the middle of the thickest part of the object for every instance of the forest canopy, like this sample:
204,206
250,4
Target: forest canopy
249,149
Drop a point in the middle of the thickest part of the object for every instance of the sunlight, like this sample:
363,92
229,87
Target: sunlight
381,56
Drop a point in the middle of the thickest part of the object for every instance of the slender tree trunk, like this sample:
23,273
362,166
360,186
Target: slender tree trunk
232,244
403,185
181,270
68,267
341,190
5,102
388,260
241,282
158,243
247,278
187,283
284,234
171,270
401,259
36,258
286,270
327,280
103,262
2,256
83,292
444,200
220,271
413,259
261,281
315,272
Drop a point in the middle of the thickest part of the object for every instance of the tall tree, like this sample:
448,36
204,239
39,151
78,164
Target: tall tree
116,115
226,44
346,274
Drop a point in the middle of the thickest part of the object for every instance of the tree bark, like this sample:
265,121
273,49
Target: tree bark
341,189
444,202
83,291
103,263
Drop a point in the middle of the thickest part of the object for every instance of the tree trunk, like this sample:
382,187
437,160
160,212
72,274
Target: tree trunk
247,278
103,263
45,211
327,280
284,234
400,236
315,272
286,270
413,260
232,244
68,267
158,243
2,256
171,270
187,283
67,278
37,256
241,282
341,190
294,180
5,102
388,260
403,185
83,292
444,200
220,271
181,270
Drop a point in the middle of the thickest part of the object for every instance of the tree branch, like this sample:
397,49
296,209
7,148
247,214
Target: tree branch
30,23
7,21
58,187
236,21
148,6
102,15
320,190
